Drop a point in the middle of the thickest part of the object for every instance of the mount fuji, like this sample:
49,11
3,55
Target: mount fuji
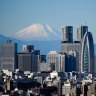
40,32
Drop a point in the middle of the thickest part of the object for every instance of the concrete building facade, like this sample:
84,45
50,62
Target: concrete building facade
8,56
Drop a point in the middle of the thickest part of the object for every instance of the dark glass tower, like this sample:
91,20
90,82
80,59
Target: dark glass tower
87,54
81,30
67,34
27,62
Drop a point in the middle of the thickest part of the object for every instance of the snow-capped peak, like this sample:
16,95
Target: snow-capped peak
38,32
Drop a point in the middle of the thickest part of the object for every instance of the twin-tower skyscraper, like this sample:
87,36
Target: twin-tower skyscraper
67,33
83,47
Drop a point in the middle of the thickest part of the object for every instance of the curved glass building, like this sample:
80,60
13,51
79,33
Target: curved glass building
87,53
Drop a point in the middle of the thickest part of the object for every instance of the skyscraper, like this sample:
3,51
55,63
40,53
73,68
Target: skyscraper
70,65
52,59
42,58
87,54
67,34
29,59
81,30
37,53
8,51
28,48
67,47
27,62
60,63
84,48
24,62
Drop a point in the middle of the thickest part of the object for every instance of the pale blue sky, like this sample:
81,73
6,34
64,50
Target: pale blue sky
18,14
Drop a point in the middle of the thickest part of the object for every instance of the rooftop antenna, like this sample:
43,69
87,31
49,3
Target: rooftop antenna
85,23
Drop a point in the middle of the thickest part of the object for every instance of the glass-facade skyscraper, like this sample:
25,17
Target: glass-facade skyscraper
81,30
87,54
27,61
67,34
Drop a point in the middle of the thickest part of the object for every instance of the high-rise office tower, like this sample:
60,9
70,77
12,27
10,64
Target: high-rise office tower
67,47
60,63
87,54
70,64
27,62
28,48
42,58
8,51
68,44
52,59
37,53
81,30
29,59
24,61
67,34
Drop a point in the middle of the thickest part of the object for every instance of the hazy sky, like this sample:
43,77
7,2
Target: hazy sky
18,14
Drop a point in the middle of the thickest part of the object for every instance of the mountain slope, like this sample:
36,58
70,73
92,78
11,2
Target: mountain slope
38,32
3,38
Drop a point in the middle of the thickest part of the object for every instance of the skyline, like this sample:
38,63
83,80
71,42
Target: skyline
17,15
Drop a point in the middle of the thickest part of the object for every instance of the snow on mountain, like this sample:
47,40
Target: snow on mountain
38,32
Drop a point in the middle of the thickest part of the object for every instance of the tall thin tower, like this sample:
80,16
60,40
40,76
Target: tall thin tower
81,30
67,34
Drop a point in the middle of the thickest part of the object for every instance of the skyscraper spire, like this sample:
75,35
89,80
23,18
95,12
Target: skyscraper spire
85,23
